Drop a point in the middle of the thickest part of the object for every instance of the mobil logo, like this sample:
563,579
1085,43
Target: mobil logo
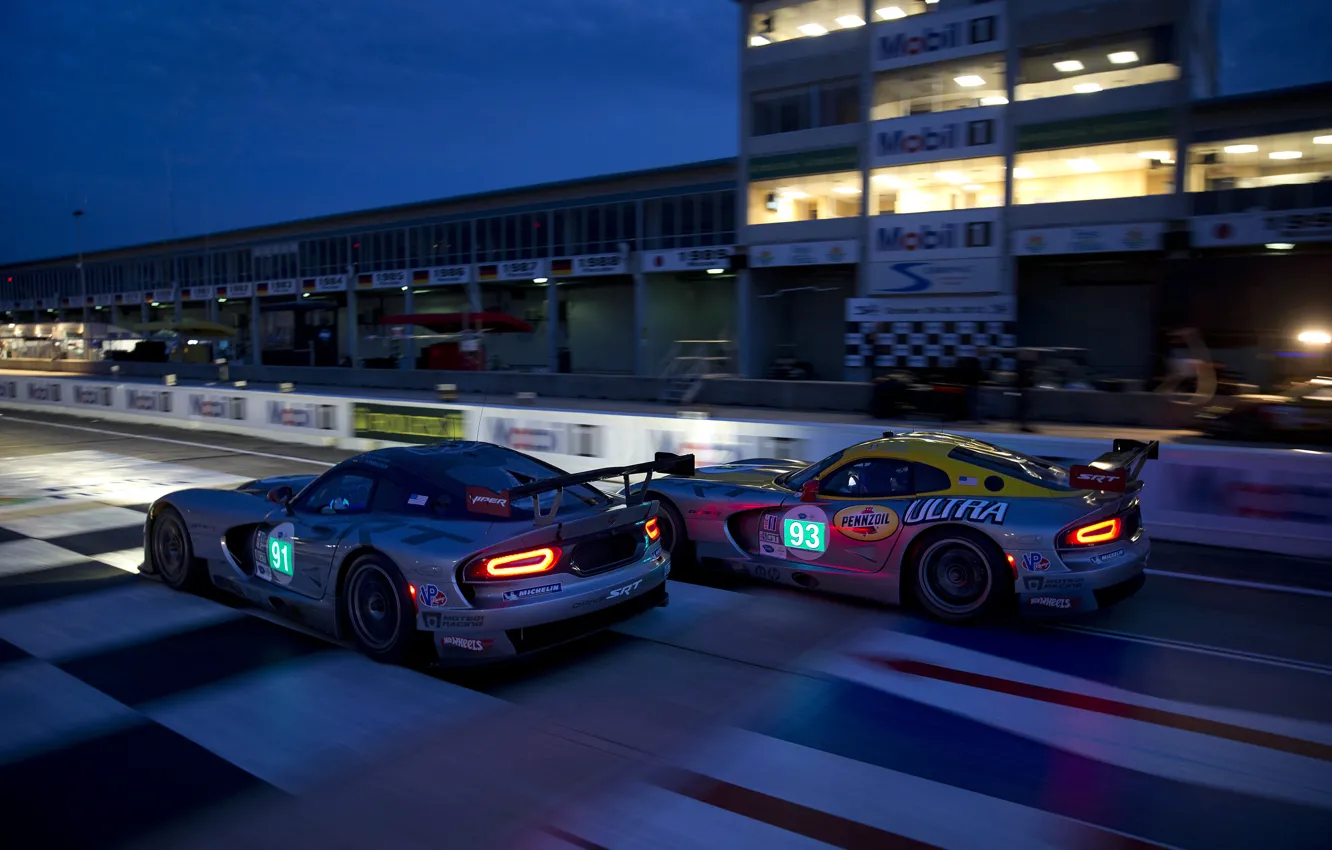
526,436
947,37
892,143
320,416
942,237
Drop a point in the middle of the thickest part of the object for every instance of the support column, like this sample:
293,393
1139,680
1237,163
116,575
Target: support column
1009,266
178,302
642,367
744,302
256,331
408,360
353,322
552,326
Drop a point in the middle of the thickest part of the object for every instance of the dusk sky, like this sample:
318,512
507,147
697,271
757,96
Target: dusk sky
178,118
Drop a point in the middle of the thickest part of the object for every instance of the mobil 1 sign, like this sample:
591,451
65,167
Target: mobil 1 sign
936,277
925,138
932,38
935,236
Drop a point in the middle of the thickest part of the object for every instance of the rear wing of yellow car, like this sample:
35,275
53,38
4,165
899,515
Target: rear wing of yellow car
1114,470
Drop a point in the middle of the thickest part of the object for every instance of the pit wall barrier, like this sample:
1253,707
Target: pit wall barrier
1266,500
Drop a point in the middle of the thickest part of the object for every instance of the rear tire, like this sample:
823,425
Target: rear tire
379,609
960,576
675,537
173,554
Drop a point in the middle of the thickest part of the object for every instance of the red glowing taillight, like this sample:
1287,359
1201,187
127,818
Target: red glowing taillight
652,529
520,564
1105,531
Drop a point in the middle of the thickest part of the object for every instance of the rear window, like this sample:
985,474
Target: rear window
1023,467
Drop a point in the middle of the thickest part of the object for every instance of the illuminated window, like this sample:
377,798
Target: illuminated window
782,20
1092,65
960,184
805,198
1287,159
940,87
1126,170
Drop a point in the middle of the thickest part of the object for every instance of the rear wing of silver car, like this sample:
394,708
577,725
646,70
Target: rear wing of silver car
1113,470
497,504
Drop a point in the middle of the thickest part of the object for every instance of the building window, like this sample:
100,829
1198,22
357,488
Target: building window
1126,170
960,184
940,87
783,20
805,198
1287,159
1092,65
805,107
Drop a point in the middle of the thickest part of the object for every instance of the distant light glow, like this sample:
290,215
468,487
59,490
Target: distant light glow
890,13
758,41
1279,246
1123,57
994,100
849,21
813,29
716,271
1240,149
969,80
1315,337
1285,155
1087,88
540,279
1068,66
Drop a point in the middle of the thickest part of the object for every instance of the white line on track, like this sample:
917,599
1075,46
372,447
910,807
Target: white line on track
1234,582
193,445
1201,649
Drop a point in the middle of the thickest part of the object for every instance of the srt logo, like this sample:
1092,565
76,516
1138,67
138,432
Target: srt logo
1099,479
624,591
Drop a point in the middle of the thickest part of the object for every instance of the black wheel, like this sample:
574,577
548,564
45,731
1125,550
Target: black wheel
379,610
959,576
173,556
675,537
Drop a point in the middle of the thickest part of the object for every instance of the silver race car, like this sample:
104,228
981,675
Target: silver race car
962,526
476,550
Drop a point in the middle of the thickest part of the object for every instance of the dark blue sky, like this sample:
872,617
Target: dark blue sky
247,112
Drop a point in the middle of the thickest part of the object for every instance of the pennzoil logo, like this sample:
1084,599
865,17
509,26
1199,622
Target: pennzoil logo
867,522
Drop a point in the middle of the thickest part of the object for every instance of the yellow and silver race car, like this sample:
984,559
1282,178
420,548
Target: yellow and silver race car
963,527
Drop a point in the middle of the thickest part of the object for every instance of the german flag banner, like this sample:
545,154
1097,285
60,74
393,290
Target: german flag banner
365,281
91,300
561,268
119,299
421,277
148,297
221,292
64,302
308,285
261,288
487,272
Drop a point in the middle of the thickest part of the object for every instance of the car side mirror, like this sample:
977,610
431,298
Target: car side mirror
809,491
280,495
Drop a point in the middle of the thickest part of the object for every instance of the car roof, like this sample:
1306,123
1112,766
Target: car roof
919,444
433,458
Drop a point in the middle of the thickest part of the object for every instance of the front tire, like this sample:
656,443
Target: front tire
959,576
173,554
379,610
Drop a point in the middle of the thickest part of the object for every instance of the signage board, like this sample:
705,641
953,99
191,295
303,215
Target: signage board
825,161
688,259
164,296
1100,130
511,270
442,276
918,39
1095,239
240,290
960,134
402,423
589,265
1262,228
805,254
994,308
935,236
960,276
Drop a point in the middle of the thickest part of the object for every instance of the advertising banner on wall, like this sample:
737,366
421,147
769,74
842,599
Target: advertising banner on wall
402,423
240,290
276,287
1097,239
959,276
589,265
961,134
165,295
688,259
540,436
805,254
513,270
918,39
442,276
996,308
1262,228
328,283
935,236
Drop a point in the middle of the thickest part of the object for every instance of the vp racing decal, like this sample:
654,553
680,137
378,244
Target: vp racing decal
942,510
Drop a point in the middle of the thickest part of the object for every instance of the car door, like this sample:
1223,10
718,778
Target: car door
298,547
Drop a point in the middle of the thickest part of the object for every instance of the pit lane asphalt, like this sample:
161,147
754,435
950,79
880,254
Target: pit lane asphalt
1189,640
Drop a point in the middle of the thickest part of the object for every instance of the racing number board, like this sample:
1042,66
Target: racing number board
279,555
804,534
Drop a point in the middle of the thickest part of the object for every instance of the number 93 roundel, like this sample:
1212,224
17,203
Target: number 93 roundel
804,531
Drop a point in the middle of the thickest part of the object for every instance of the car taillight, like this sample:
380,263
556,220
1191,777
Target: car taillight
519,564
1095,534
652,530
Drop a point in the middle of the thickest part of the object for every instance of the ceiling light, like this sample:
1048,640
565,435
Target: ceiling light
1322,140
994,100
887,180
812,29
969,80
1123,57
404,289
1068,66
540,280
1083,166
851,21
1021,173
890,13
951,176
1285,155
1240,149
1157,155
1285,246
973,187
793,195
1087,88
847,190
716,271
758,41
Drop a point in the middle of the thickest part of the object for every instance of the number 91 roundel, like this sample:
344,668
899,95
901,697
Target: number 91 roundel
276,561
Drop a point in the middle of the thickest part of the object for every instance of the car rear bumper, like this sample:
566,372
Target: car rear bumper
1085,588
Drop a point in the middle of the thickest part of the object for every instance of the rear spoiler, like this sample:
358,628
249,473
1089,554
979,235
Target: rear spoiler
1113,470
484,501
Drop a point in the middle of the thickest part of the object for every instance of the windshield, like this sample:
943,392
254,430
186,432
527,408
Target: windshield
796,480
1023,467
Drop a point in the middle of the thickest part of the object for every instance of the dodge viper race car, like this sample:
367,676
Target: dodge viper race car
480,550
963,527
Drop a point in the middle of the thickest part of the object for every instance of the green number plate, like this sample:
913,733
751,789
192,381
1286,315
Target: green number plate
799,534
279,555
